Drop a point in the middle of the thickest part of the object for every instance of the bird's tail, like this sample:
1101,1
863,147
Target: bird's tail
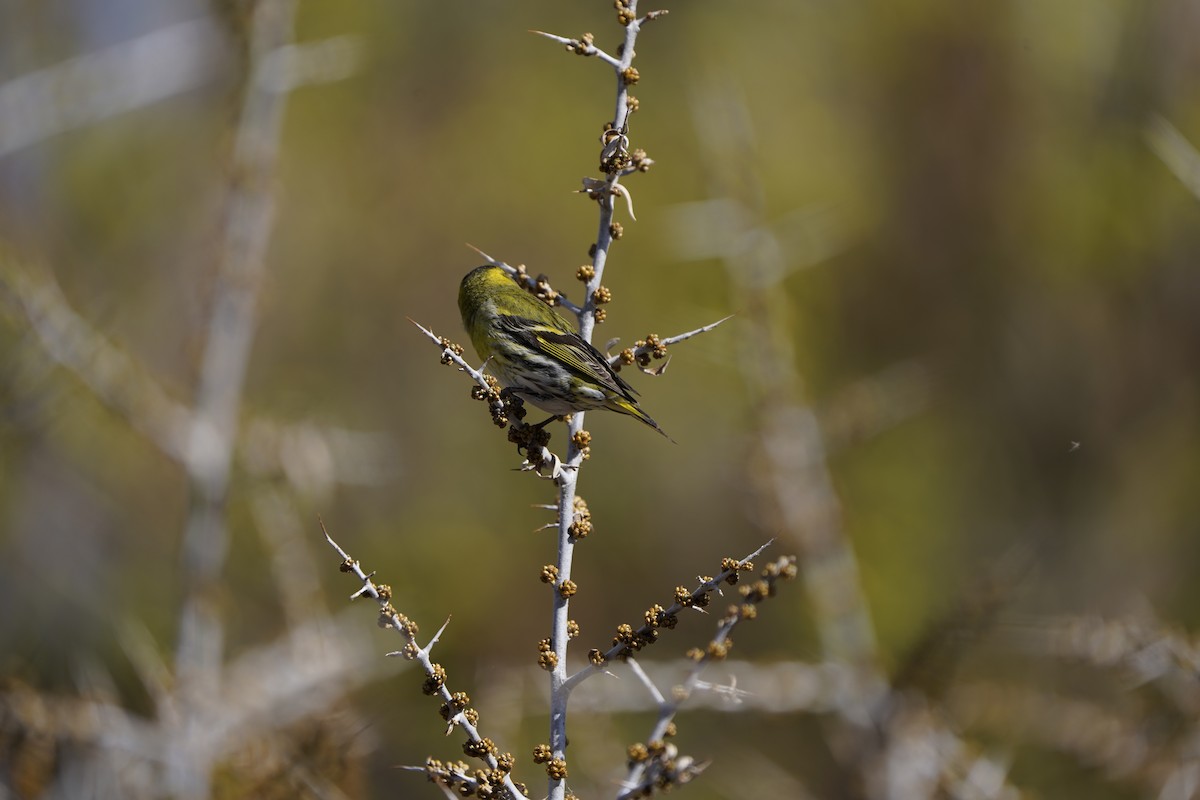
625,406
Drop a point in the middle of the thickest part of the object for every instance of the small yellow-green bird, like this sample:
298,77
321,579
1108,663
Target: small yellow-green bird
536,353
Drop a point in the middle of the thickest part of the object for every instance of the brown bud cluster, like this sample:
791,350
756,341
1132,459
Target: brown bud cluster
582,46
449,347
503,405
547,658
389,617
630,641
545,292
532,440
685,598
581,525
735,567
654,614
556,768
758,591
480,749
435,680
718,650
581,439
451,774
459,702
651,347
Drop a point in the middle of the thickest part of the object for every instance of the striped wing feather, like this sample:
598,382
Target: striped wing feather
568,349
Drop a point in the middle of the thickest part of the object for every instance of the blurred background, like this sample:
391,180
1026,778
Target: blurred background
961,242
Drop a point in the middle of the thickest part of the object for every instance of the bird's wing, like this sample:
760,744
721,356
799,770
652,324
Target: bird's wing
570,350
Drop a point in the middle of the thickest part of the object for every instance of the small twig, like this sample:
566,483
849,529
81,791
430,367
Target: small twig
657,764
455,705
645,679
451,354
583,47
682,337
653,347
635,640
538,456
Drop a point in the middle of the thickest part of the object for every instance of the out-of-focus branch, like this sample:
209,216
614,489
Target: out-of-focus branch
206,708
128,752
1096,734
34,299
1175,151
312,457
91,87
916,755
790,471
285,536
784,687
153,67
249,216
1141,650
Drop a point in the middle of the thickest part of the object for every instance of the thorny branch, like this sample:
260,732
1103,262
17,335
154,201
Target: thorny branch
250,212
616,161
628,641
657,765
456,709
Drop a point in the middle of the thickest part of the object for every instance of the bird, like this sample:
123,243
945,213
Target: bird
536,354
